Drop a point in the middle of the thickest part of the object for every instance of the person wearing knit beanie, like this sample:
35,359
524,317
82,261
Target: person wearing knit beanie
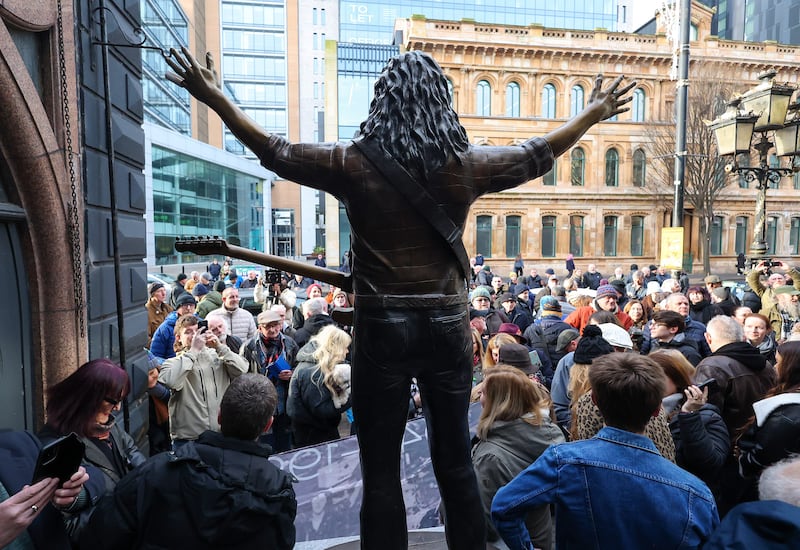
591,345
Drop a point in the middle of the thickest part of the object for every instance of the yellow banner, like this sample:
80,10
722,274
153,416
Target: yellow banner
672,248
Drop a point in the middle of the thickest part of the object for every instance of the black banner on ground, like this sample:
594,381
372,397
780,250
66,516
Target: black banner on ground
329,483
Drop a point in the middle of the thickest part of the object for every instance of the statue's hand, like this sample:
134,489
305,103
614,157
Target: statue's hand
202,82
611,101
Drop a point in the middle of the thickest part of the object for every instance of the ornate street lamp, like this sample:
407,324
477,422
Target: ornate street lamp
759,111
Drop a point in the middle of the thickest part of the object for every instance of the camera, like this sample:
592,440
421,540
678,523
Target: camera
202,324
272,276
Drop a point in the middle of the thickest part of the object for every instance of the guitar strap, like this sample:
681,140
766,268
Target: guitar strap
419,198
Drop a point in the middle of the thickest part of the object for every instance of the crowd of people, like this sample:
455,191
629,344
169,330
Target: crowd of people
680,397
724,401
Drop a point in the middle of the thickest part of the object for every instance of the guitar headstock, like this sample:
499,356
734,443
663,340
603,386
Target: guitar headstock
202,245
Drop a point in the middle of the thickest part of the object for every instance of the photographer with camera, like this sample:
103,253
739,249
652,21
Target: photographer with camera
778,295
198,377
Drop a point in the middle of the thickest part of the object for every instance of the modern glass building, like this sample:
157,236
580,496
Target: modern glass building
166,26
195,189
372,21
254,64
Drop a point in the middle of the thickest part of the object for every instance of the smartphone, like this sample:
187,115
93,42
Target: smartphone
203,323
59,459
711,383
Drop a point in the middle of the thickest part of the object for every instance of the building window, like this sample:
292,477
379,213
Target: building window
576,100
548,236
639,167
637,235
513,235
637,108
512,100
451,92
576,235
715,236
794,237
612,168
741,234
774,162
483,236
549,101
609,236
772,234
577,166
483,99
551,177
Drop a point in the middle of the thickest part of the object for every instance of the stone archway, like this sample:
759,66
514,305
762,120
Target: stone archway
36,163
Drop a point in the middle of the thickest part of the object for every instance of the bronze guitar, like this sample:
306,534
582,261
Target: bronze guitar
218,245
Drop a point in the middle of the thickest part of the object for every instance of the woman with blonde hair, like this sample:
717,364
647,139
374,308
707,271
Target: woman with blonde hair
514,429
490,357
319,391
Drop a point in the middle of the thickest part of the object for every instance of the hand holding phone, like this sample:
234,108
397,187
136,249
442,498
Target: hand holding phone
711,384
59,459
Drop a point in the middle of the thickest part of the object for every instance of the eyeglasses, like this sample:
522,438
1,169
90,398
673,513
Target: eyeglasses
111,401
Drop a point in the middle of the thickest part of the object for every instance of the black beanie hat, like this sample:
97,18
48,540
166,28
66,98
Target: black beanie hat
591,345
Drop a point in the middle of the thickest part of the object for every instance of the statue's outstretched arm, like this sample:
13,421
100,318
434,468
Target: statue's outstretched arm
602,104
203,83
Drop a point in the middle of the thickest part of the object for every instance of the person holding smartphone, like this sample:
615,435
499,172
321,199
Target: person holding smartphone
198,377
33,514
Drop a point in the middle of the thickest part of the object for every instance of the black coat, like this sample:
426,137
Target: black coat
311,327
701,441
777,438
216,492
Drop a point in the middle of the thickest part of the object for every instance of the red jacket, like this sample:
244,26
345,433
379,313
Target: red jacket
580,317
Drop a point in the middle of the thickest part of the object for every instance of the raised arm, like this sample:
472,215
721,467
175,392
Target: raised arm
602,104
204,84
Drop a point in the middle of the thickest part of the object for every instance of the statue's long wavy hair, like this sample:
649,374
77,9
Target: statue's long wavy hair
411,115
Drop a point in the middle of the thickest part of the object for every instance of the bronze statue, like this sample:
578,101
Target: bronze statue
409,280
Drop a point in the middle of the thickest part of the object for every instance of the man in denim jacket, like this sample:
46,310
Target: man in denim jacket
614,490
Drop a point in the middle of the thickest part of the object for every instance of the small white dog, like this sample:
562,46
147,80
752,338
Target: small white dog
341,385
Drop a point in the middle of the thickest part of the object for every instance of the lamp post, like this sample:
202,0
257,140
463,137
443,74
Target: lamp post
760,111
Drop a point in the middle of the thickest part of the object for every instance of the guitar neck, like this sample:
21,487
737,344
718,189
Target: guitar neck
330,276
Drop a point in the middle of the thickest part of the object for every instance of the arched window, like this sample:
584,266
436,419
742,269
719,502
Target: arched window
637,106
576,100
610,236
772,234
794,237
512,100
577,166
637,235
741,234
513,234
483,236
576,235
483,99
549,101
551,177
715,236
639,168
612,168
548,236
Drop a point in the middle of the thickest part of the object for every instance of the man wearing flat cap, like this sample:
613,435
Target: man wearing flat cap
157,308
